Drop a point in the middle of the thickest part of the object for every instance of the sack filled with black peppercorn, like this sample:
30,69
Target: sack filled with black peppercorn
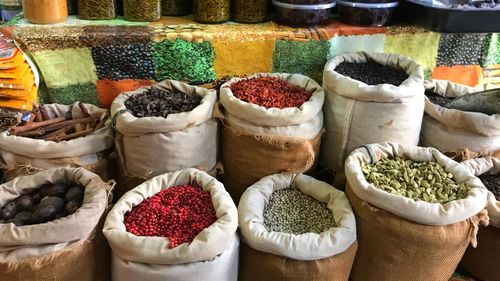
55,135
56,228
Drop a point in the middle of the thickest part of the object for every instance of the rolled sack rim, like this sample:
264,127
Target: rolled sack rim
412,87
307,246
263,116
417,211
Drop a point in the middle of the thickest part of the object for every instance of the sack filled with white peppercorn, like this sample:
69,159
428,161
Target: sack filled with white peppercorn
416,212
295,227
482,261
56,135
50,238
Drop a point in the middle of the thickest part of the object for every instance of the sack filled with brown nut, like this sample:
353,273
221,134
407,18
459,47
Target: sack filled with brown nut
65,249
416,212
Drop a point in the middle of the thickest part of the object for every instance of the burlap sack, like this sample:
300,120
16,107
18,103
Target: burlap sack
402,239
451,129
67,249
283,256
24,156
257,142
482,261
212,252
151,146
357,113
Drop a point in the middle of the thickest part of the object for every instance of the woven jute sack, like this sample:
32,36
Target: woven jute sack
68,249
212,255
357,113
482,261
25,156
257,142
402,239
150,146
273,255
450,129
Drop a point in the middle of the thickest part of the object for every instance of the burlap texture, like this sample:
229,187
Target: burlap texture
482,262
248,157
256,265
394,249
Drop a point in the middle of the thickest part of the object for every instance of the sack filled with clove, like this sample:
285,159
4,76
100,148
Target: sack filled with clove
55,135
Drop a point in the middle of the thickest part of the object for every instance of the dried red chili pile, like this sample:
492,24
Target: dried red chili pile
178,213
270,92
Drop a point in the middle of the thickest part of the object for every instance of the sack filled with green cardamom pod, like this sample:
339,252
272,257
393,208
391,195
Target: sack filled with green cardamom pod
416,212
482,261
294,228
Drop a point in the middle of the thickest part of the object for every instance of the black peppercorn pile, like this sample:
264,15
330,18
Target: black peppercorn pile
156,102
372,73
492,183
134,61
437,99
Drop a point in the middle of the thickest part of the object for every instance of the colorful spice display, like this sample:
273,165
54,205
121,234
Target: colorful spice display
270,92
178,213
71,93
492,183
49,202
372,73
427,181
291,211
38,125
160,103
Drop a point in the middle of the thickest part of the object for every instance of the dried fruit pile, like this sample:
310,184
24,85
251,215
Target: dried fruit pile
372,73
178,213
49,202
270,92
156,102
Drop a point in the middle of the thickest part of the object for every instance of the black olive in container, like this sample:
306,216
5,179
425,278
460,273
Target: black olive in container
301,15
250,11
366,14
142,10
211,11
176,7
96,9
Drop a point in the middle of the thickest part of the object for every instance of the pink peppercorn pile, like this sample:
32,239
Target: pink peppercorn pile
178,213
270,92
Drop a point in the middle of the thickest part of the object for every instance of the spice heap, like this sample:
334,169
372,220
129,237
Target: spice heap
37,124
427,181
372,73
437,99
156,102
291,211
492,183
270,92
49,202
178,213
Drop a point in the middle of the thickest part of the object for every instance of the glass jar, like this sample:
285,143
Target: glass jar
176,7
96,9
51,11
250,11
211,11
72,7
10,9
142,10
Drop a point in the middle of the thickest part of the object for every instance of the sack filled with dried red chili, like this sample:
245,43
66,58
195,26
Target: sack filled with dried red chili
211,255
258,141
169,128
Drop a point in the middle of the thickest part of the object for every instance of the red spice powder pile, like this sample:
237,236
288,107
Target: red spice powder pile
178,213
270,92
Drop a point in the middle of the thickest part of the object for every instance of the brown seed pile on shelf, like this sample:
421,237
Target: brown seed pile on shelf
63,128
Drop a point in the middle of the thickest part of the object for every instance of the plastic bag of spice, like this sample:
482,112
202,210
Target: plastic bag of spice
268,254
259,141
451,129
401,238
357,113
24,155
482,261
150,146
212,255
66,249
